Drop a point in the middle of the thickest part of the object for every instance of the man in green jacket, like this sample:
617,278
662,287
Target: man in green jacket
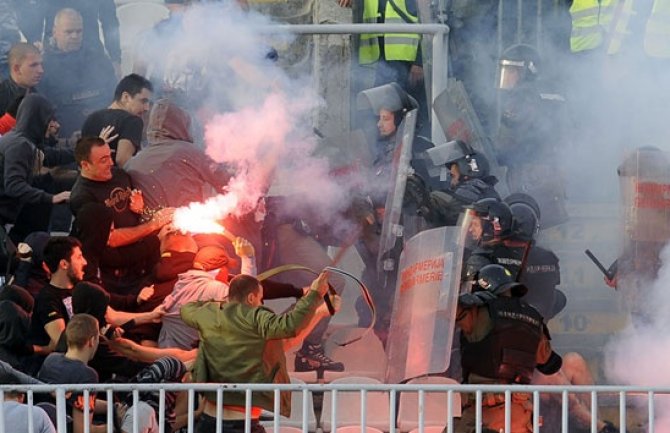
241,341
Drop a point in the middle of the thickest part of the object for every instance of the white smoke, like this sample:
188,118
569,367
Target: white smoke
640,354
256,117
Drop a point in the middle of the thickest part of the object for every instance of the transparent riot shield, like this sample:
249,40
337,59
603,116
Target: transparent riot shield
423,320
460,122
644,178
392,228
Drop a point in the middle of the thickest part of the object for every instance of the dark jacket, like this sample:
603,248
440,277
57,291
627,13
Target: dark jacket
172,171
14,327
9,91
42,13
77,83
20,157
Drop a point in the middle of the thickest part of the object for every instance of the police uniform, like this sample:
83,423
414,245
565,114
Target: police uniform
503,340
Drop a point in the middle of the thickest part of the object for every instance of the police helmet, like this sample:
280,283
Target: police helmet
496,218
518,63
471,164
497,279
526,213
647,161
390,97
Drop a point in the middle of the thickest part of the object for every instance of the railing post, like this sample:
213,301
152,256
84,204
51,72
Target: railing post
31,423
61,411
438,84
2,412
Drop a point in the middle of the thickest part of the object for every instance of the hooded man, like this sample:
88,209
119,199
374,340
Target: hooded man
14,328
26,194
201,283
173,171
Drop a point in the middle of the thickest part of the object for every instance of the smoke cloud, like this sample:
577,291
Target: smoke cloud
640,354
256,117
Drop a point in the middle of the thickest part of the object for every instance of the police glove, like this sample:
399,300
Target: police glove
475,299
416,191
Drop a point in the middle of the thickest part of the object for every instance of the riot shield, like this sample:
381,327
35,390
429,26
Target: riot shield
388,96
423,320
460,122
392,229
644,178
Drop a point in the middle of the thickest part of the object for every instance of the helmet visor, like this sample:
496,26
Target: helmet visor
509,73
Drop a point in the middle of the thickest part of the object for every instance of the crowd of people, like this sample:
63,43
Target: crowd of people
129,298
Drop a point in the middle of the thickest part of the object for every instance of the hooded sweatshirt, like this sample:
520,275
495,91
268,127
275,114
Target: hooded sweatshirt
173,171
193,285
14,327
22,155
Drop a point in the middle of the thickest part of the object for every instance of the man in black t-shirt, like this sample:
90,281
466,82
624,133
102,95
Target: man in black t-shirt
131,101
120,248
53,305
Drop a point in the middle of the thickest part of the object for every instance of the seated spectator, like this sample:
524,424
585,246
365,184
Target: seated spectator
172,171
25,72
97,15
17,413
31,273
164,370
27,195
78,79
53,306
90,298
19,296
116,243
131,100
16,309
14,327
247,345
200,284
72,367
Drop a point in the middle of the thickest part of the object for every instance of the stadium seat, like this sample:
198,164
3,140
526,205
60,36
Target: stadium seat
435,405
349,407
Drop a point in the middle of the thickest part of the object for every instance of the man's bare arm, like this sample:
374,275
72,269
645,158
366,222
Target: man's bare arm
124,151
54,329
119,237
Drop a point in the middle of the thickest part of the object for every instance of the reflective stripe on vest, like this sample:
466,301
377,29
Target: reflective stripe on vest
397,46
619,29
590,20
657,32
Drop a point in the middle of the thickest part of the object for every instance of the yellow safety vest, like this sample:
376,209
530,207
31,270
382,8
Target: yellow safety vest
397,46
590,22
657,32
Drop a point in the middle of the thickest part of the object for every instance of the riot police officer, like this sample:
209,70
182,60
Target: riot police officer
469,180
503,341
530,131
491,225
542,272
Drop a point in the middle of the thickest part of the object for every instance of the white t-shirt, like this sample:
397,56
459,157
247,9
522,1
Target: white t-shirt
146,417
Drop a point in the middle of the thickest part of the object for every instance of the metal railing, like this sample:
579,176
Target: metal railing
439,51
622,399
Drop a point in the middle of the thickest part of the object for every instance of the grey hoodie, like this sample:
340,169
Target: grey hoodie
173,171
20,152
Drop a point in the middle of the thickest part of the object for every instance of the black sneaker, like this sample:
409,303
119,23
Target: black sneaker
312,358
